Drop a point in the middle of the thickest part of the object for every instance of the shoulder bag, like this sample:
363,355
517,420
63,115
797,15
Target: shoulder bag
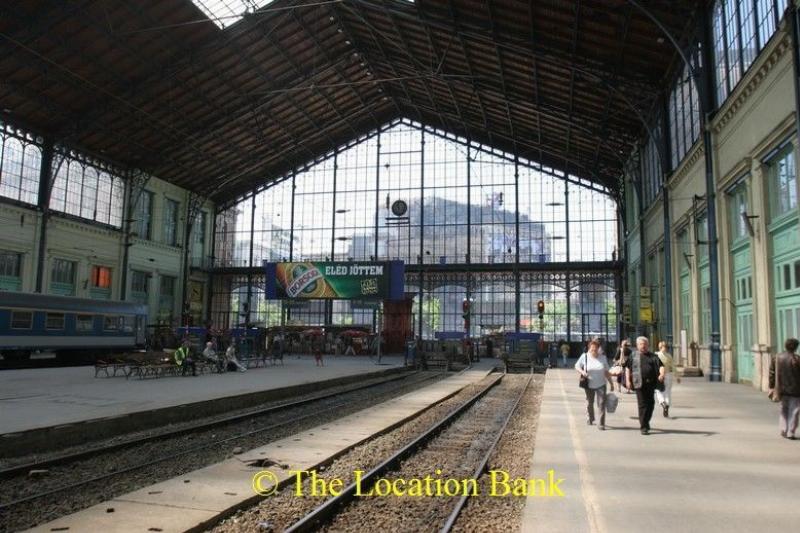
583,382
775,394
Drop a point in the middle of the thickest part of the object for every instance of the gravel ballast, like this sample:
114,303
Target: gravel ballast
455,452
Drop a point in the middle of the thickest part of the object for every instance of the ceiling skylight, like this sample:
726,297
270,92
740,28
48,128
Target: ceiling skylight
224,13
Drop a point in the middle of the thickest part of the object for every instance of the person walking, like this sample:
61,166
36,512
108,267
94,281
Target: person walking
644,373
664,397
564,353
553,358
350,350
594,367
621,357
784,381
316,348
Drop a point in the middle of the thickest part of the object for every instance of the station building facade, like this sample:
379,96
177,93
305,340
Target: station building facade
76,244
753,129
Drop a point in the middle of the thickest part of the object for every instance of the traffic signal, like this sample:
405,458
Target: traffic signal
540,308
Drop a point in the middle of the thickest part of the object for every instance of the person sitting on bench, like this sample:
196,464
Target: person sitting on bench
232,362
210,355
183,358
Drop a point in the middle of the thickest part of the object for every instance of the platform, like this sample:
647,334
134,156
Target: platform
36,399
718,464
194,501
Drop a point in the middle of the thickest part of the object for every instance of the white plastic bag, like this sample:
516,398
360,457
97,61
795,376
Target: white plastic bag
611,402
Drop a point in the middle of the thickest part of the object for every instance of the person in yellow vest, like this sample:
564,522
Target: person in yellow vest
183,358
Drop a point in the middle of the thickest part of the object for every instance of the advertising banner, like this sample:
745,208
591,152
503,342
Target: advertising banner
335,280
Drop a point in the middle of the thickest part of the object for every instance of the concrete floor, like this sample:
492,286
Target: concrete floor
717,465
37,398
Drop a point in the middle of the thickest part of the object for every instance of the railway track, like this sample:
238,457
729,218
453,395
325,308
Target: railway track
234,430
59,459
461,442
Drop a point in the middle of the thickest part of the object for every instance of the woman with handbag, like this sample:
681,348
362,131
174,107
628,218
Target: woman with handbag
620,359
664,397
593,370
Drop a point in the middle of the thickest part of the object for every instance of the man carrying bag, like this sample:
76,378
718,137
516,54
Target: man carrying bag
644,373
784,387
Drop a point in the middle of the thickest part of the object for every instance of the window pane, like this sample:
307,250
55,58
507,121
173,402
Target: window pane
784,182
720,61
84,323
747,19
732,44
111,323
54,321
21,320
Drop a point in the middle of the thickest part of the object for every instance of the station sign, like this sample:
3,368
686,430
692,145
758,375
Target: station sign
335,280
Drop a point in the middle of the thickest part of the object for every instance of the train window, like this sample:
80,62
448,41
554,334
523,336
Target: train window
111,323
21,320
54,321
84,323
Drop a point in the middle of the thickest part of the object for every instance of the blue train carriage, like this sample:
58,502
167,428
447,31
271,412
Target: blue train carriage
72,328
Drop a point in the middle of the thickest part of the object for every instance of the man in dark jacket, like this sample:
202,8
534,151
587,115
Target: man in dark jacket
784,380
644,373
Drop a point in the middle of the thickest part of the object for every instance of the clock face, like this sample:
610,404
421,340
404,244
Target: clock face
399,208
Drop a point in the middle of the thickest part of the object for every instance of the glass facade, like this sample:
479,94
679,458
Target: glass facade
684,112
20,165
465,204
87,189
741,29
476,220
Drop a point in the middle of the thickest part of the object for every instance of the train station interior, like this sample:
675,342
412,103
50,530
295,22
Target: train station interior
380,204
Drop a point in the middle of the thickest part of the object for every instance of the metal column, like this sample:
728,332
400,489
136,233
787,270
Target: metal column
517,311
291,218
568,280
421,203
46,175
250,261
377,194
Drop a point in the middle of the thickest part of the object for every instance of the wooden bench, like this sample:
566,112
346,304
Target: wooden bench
115,366
152,364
